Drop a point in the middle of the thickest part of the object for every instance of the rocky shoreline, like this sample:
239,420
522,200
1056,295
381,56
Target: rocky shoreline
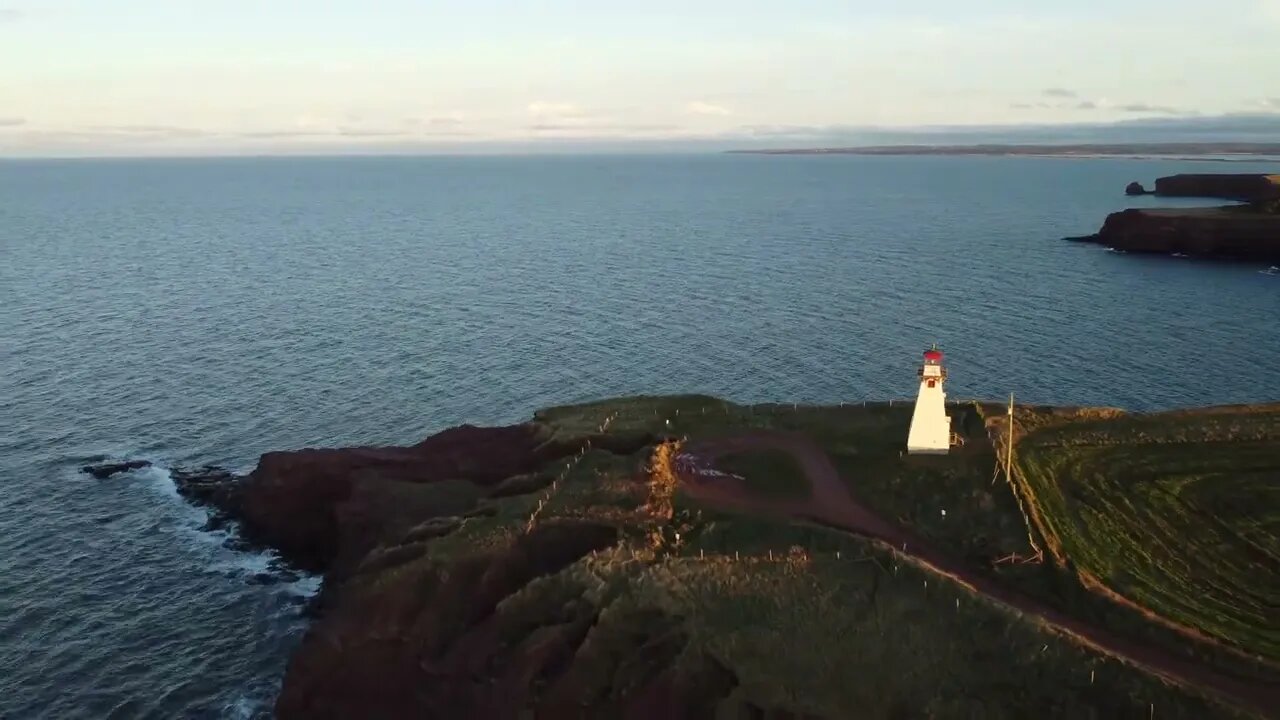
547,569
1247,232
354,511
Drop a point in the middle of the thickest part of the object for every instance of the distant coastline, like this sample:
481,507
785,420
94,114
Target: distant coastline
1219,151
1246,232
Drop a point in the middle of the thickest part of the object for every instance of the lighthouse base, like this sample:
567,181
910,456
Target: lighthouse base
930,427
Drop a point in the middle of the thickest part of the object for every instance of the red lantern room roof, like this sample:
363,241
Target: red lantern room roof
933,355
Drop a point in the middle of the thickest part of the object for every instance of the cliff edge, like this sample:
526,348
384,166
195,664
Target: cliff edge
1248,232
1242,187
686,557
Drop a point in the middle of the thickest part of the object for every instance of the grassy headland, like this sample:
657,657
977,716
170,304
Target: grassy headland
588,587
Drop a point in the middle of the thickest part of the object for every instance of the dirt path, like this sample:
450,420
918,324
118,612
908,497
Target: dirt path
831,502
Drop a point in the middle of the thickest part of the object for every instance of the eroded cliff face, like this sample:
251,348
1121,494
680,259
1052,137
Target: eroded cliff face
1245,187
421,639
408,623
1210,233
318,506
1250,232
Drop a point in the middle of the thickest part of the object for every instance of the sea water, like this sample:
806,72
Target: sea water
206,311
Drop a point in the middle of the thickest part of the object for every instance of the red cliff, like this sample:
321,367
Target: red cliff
1248,232
1251,187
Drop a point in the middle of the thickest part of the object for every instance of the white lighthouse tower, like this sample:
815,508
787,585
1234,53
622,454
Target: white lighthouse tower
930,426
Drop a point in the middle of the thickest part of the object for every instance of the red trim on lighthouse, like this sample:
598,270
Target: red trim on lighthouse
933,355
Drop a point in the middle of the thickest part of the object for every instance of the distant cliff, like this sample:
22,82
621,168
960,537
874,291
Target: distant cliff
1250,232
1217,233
1241,187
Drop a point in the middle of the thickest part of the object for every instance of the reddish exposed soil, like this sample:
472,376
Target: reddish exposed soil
318,505
830,502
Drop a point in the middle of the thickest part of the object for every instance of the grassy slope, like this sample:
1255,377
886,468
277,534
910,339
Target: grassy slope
1179,512
982,521
806,619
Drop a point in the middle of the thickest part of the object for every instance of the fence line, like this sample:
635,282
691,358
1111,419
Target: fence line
563,475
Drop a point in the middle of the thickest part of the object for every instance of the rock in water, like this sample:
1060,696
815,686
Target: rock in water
216,488
1135,188
102,471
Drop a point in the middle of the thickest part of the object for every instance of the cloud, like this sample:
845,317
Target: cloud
1042,105
275,134
1230,123
1153,109
1056,92
12,121
437,126
564,116
543,108
796,132
337,132
1239,127
546,115
169,131
10,15
601,127
1098,104
697,107
438,122
367,132
1272,102
349,125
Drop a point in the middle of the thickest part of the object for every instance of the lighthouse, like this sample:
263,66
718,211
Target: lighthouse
930,426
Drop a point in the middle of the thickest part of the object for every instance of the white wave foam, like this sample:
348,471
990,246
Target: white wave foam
213,544
160,479
244,708
307,586
246,563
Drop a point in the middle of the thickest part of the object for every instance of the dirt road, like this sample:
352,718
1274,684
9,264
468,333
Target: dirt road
831,502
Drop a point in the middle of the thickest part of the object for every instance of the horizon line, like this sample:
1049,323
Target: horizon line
565,148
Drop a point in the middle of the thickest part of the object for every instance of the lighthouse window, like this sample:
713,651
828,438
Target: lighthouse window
931,383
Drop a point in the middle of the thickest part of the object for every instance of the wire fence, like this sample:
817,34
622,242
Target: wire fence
956,594
562,475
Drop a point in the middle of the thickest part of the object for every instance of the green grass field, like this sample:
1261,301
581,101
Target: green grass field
842,630
1177,512
865,441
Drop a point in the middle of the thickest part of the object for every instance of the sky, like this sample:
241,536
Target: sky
156,77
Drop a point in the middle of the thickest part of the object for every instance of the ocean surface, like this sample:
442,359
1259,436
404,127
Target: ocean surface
206,311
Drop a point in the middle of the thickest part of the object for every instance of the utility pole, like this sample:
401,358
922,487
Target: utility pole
1008,456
